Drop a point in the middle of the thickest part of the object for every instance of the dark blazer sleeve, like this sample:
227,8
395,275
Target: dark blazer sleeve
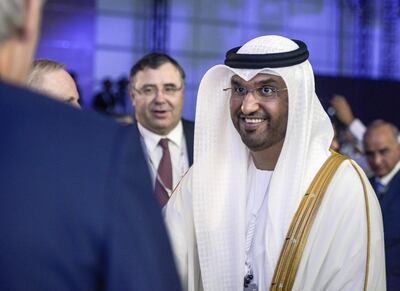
138,250
76,205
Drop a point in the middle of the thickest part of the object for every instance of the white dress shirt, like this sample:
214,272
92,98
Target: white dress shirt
386,179
177,149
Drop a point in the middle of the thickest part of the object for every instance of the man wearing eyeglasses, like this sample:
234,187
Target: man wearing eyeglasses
156,86
267,205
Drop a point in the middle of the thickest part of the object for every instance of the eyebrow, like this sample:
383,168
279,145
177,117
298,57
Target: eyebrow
266,82
269,81
164,85
236,83
171,84
155,85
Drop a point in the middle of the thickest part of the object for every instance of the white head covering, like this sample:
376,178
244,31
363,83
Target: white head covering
221,164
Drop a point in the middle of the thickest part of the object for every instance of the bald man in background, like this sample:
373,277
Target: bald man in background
50,78
382,149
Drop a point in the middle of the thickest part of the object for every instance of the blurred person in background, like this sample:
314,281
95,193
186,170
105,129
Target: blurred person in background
349,131
382,150
50,78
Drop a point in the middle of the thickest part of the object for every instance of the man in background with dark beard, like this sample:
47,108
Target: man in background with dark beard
266,204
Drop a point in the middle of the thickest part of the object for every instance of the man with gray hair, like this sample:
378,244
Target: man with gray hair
50,78
75,194
382,149
266,204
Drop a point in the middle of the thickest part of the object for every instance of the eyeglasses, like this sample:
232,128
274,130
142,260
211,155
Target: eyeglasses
263,92
152,90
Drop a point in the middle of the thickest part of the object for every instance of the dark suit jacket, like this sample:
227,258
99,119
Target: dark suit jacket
390,204
76,208
188,130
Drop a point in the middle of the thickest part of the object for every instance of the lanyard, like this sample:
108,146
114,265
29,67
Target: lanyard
259,183
183,162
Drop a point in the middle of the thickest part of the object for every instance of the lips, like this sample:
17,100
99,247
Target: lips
253,120
160,113
251,123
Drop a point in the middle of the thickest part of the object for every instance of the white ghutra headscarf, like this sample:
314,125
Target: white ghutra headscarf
221,165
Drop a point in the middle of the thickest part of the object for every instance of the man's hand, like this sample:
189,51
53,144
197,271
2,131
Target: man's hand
342,108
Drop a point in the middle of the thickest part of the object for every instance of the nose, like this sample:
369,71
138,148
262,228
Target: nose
249,103
159,97
377,159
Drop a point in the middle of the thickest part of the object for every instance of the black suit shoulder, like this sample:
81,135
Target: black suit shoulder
75,197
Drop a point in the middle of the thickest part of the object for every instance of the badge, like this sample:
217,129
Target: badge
251,287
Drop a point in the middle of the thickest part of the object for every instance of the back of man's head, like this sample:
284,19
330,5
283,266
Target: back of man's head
39,69
50,78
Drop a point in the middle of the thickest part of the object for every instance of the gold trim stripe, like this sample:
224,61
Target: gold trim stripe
368,225
300,227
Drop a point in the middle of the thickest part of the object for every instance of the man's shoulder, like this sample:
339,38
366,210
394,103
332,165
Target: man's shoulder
48,126
394,184
349,176
19,106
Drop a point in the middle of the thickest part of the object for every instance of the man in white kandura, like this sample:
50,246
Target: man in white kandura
266,204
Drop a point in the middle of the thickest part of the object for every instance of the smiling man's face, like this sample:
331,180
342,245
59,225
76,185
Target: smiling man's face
260,119
159,112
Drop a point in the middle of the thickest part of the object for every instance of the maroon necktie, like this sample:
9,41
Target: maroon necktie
164,174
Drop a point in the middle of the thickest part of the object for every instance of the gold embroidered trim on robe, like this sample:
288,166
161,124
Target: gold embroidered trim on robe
296,238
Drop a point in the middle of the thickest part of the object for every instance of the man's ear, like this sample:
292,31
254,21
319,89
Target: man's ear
130,89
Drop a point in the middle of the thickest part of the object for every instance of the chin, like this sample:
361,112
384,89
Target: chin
253,145
380,173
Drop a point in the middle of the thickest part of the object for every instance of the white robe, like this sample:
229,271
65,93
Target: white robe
334,257
206,216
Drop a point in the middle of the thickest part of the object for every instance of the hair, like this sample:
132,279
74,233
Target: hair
381,123
39,68
11,17
154,61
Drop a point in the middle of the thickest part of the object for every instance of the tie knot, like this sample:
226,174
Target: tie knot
378,187
163,143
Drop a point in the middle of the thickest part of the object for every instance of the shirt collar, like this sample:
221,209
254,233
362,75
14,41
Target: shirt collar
152,139
386,179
